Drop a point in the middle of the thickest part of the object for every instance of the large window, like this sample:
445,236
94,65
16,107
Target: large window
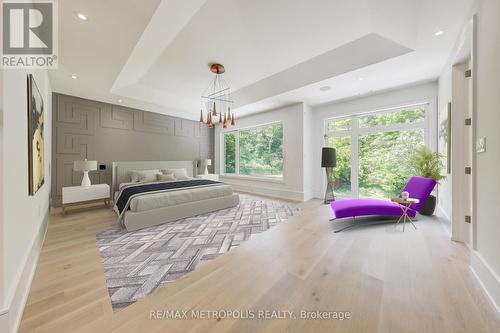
373,150
256,151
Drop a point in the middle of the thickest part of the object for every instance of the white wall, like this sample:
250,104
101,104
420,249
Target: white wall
426,92
292,186
486,259
308,153
24,216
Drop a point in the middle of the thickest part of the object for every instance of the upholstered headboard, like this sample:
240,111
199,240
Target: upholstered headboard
121,169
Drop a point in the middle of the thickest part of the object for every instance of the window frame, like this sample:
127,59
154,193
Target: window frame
355,132
237,174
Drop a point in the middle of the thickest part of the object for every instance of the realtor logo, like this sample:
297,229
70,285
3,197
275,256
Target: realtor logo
29,34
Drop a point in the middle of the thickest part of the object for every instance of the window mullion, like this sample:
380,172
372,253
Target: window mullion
392,128
237,152
222,142
339,133
427,129
355,157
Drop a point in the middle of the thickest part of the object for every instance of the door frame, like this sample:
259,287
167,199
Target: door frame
462,196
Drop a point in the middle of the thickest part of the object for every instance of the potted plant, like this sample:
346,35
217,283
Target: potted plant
426,163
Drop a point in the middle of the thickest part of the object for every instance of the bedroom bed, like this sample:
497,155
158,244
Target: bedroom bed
152,202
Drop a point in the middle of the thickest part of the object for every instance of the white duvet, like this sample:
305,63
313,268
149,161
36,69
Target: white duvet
171,198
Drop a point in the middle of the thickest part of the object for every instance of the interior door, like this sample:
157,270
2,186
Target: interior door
461,153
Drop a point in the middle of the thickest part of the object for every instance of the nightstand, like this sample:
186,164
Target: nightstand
211,176
74,195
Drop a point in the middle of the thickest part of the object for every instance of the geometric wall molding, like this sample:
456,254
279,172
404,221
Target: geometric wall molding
104,132
80,118
204,151
153,123
69,142
116,117
201,130
184,127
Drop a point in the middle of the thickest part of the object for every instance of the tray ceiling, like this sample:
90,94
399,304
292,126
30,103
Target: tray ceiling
154,55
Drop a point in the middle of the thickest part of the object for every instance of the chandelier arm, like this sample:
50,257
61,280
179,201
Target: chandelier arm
225,89
217,84
224,82
208,88
217,99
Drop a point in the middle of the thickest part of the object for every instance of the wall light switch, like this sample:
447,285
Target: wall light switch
481,145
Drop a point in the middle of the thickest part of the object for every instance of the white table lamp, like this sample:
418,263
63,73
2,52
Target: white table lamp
207,163
85,166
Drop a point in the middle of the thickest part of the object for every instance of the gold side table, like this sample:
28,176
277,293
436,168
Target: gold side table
405,205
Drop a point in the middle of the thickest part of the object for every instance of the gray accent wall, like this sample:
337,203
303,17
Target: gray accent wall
104,132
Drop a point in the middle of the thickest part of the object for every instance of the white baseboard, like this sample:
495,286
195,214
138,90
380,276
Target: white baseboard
444,219
443,214
18,301
308,195
487,278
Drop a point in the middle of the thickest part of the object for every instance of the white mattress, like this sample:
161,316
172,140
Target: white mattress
172,198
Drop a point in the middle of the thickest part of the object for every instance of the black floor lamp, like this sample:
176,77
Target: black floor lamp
329,161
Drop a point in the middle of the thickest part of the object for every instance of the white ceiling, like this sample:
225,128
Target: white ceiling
154,54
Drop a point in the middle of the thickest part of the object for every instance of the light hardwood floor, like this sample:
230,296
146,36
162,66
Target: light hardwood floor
390,281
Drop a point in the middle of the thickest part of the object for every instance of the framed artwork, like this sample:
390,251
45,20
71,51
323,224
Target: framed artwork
445,137
36,142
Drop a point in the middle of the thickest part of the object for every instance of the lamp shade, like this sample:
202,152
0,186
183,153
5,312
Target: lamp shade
208,162
85,165
328,157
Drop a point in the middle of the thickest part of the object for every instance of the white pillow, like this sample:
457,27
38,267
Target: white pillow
179,174
147,178
137,175
165,177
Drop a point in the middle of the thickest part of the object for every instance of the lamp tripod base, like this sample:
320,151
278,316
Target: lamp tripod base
329,195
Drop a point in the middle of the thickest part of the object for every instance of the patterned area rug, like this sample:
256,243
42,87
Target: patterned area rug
136,263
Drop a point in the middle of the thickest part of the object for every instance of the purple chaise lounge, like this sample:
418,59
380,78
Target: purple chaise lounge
418,187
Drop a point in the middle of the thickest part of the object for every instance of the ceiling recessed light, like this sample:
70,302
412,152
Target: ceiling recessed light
361,78
119,101
81,16
439,32
325,88
74,77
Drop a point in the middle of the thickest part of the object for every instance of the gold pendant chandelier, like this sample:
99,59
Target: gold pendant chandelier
216,100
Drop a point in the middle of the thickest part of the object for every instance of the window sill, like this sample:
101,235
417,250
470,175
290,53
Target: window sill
260,179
